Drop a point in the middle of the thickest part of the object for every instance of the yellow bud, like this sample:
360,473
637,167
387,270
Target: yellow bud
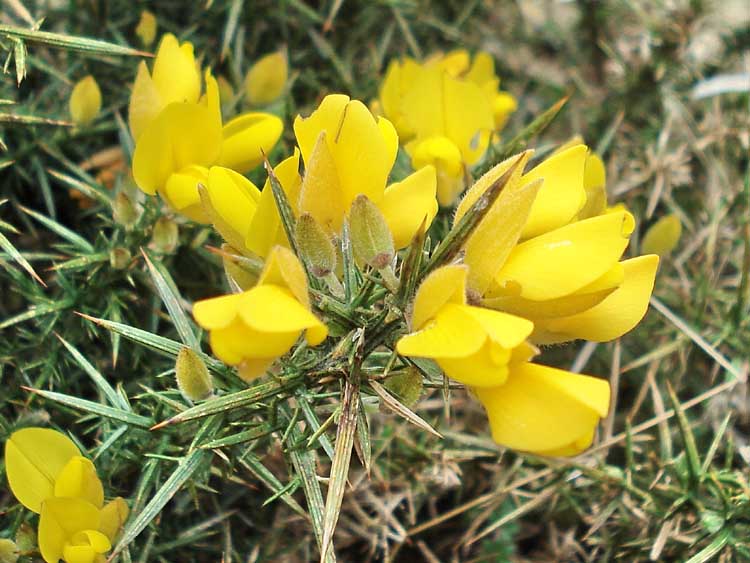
85,101
407,386
165,236
119,258
266,79
663,236
8,551
146,28
315,246
372,241
193,378
124,211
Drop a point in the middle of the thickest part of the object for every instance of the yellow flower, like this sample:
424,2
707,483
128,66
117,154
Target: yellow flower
85,101
175,78
535,253
266,79
530,407
48,475
254,328
146,28
348,152
663,236
174,152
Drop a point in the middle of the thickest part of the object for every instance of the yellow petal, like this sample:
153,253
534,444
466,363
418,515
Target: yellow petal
145,102
663,236
234,198
266,229
612,317
239,342
487,367
455,62
506,330
451,334
398,79
444,285
271,308
85,101
468,118
146,28
182,135
86,547
594,182
266,79
284,269
34,457
390,138
562,195
564,260
541,408
217,312
181,192
574,448
439,151
503,104
62,519
321,193
252,368
246,138
408,203
327,117
482,69
78,479
113,517
175,74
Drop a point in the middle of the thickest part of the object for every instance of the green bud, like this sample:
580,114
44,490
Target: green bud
125,211
165,236
241,270
406,385
25,538
119,258
8,551
315,246
372,241
193,378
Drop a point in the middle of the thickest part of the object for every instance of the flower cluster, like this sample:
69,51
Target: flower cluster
49,476
446,110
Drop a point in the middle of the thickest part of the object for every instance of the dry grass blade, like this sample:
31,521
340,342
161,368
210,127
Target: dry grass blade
342,456
396,406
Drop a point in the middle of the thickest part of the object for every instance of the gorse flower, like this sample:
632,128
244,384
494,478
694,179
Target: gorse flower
49,476
266,79
180,134
445,111
146,28
530,407
85,101
252,329
548,262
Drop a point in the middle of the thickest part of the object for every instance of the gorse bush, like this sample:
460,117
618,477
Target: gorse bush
354,269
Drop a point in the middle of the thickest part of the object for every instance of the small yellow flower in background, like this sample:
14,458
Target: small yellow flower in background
266,79
252,329
530,407
146,28
534,256
48,475
662,237
348,152
85,101
8,551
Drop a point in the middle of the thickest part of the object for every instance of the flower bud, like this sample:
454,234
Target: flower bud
315,246
407,386
193,378
146,28
371,238
165,236
266,79
125,211
85,101
663,236
119,258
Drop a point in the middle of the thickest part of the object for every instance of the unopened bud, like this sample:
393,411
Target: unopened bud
372,241
8,551
119,258
165,236
663,236
114,514
315,246
146,28
193,378
85,101
124,211
407,386
266,79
